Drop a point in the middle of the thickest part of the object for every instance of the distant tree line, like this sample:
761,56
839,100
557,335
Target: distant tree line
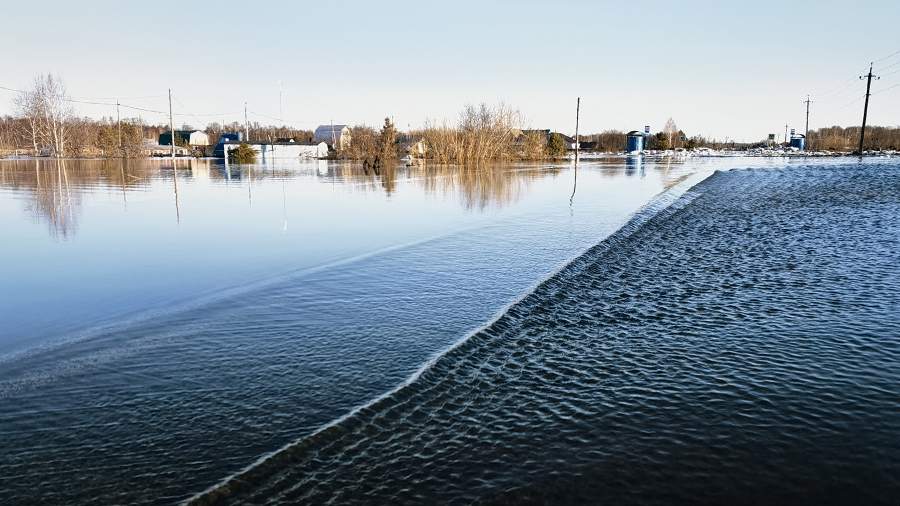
670,137
837,138
45,125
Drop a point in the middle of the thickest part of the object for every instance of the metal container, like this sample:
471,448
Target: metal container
634,142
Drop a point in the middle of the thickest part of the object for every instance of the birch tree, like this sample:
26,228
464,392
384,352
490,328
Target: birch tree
48,114
671,131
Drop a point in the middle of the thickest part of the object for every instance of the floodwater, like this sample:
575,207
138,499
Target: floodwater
162,335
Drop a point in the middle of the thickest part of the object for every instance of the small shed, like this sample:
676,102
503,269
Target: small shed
798,141
634,141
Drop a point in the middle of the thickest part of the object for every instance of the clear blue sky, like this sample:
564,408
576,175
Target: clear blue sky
735,69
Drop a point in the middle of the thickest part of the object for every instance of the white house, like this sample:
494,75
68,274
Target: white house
283,150
336,136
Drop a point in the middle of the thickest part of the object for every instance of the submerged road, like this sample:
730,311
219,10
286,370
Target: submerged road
741,346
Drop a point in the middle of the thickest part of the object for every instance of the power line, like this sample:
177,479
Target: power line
141,109
891,65
886,89
890,73
895,53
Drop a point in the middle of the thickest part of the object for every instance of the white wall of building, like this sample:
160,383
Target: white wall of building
198,138
285,151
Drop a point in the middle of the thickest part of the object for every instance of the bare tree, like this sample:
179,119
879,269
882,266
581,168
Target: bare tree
671,132
48,113
30,105
57,113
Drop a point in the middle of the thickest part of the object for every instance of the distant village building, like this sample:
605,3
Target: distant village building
150,148
281,149
634,141
226,138
336,136
417,149
185,138
543,133
569,140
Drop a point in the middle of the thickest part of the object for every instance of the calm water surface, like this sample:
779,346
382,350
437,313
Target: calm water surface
161,336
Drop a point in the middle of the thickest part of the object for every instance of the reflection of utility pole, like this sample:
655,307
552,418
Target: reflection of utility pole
174,164
862,132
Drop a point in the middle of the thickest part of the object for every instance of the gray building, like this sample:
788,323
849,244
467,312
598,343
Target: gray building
336,136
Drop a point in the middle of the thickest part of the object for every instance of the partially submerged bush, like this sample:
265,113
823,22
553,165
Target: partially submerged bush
242,154
557,145
482,133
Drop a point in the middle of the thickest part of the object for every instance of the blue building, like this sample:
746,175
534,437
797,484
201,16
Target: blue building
798,141
634,142
225,138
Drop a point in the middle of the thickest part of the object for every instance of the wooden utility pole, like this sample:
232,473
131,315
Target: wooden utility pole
808,101
119,126
862,132
333,138
575,182
577,144
171,125
246,124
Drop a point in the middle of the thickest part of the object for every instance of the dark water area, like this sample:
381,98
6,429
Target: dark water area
741,346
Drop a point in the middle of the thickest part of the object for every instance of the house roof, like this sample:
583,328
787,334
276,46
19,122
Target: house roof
327,128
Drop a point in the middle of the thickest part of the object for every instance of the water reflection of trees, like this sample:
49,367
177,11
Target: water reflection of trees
478,186
55,188
52,195
483,186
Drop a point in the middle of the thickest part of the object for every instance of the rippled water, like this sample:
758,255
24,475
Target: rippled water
740,347
157,342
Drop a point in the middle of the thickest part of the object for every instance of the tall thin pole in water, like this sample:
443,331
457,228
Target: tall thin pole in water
862,132
172,127
808,101
575,183
119,126
246,124
174,164
577,144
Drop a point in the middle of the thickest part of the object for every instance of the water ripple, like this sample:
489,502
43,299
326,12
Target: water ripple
737,347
